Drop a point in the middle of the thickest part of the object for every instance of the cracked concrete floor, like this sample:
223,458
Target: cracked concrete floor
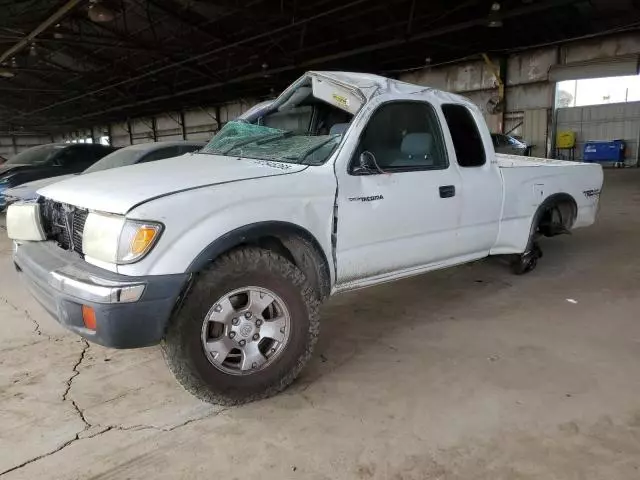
464,373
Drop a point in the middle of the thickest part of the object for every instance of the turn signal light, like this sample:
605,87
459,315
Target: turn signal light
89,317
143,239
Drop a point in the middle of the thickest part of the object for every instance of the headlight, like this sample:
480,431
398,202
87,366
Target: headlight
114,239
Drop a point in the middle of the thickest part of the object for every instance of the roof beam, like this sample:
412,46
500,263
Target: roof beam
394,42
225,47
51,20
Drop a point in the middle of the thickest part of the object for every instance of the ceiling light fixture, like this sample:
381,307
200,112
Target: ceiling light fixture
56,33
6,73
494,20
99,12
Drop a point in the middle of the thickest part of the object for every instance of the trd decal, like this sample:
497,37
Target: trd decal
592,193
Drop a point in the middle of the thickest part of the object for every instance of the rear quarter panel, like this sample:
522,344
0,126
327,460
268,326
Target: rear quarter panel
529,182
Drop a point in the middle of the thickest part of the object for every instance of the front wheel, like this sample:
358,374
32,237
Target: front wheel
245,330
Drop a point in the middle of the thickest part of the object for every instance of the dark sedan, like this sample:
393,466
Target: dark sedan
49,160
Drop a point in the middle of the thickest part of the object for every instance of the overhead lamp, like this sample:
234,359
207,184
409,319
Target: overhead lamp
99,12
494,20
32,50
6,73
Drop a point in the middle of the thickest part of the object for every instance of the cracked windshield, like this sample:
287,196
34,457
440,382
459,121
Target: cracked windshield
243,139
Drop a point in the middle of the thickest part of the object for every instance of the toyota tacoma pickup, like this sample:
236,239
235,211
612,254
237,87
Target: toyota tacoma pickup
345,180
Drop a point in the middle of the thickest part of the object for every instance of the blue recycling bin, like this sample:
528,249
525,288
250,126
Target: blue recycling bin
611,151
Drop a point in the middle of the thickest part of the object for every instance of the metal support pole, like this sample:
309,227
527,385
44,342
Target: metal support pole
15,145
130,130
638,149
109,136
218,125
154,129
503,83
550,148
183,125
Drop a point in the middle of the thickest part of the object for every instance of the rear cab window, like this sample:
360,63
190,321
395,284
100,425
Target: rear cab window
465,135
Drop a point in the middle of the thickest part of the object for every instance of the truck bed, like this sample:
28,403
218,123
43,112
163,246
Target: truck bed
528,181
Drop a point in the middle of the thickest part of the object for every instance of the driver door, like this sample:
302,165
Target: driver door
404,213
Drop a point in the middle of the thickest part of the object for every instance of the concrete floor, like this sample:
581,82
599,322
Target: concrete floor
465,373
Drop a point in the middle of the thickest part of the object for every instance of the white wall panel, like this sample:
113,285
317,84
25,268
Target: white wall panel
529,96
615,46
530,66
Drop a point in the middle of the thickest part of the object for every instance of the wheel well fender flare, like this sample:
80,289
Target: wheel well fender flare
548,202
300,246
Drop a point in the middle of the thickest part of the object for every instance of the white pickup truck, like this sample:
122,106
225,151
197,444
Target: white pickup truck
345,180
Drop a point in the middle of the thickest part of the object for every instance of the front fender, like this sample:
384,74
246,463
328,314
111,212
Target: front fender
195,220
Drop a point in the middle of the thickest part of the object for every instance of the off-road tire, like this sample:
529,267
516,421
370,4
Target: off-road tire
182,347
527,262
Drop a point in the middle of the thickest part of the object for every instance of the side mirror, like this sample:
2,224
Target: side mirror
366,164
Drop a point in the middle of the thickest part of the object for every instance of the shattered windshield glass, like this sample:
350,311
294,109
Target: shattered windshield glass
243,139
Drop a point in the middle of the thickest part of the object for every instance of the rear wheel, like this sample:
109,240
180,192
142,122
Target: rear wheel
527,261
245,330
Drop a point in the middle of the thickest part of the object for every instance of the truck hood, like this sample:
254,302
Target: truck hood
119,190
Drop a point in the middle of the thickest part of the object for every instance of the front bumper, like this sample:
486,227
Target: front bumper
131,312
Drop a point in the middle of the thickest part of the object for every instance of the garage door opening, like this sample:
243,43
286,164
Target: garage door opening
597,91
597,112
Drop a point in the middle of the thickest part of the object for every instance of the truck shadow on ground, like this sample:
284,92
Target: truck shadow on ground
358,323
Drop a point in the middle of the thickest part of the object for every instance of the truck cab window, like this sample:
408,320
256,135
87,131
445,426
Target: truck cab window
404,136
465,135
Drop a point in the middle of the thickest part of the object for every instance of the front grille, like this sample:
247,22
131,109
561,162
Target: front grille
79,219
63,223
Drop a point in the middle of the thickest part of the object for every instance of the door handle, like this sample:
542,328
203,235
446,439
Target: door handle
447,191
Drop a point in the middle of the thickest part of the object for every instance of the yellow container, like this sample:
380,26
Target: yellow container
566,139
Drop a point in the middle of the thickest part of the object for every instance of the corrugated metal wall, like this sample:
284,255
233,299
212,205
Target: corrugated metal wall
10,145
603,122
199,124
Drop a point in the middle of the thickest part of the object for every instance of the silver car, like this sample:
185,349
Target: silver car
507,144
